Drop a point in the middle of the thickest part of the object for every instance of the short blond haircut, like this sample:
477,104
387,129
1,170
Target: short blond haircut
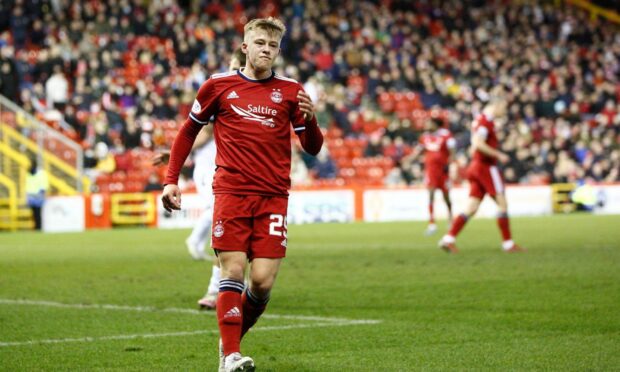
272,25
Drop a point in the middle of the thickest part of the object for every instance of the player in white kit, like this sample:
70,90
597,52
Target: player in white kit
204,169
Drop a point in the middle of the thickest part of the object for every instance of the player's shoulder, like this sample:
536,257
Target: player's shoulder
215,81
222,75
444,132
482,120
285,79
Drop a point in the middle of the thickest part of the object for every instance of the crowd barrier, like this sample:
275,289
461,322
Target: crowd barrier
78,213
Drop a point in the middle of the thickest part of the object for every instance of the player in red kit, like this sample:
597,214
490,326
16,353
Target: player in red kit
438,146
254,109
484,178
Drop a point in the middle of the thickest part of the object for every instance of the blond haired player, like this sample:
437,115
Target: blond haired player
254,111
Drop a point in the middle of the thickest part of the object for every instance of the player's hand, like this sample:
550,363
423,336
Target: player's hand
171,198
160,158
305,105
503,158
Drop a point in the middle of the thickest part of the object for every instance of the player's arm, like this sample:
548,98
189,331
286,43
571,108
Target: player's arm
309,133
201,139
418,150
181,147
451,144
163,157
479,143
202,109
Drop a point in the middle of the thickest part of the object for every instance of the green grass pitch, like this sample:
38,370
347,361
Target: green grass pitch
363,297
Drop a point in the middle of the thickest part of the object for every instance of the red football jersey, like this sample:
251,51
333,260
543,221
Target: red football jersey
437,146
485,127
252,131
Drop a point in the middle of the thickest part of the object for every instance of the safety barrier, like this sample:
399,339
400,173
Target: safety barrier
8,206
334,205
561,197
58,170
132,209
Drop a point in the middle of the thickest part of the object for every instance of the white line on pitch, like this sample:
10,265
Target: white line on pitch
7,301
183,333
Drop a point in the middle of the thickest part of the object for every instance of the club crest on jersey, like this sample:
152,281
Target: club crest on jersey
276,96
218,229
196,108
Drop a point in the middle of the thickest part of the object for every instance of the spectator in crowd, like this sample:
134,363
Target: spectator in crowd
561,69
299,172
153,183
9,80
37,185
57,89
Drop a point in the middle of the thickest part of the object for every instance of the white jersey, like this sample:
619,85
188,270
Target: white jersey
204,168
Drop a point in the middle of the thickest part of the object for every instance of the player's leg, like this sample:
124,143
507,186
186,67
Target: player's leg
209,301
230,311
201,232
230,239
197,239
432,227
446,198
496,190
229,306
263,272
503,223
476,193
267,250
459,222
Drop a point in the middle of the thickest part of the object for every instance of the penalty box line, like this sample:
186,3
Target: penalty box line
182,333
316,322
6,301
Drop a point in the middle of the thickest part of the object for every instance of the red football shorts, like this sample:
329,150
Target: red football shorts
253,224
436,178
484,179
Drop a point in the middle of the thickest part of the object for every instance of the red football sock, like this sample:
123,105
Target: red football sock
457,225
252,310
504,226
430,213
229,316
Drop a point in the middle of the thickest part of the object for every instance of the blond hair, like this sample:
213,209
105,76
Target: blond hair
271,25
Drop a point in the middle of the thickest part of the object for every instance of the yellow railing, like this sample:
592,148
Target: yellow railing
561,197
50,162
132,209
23,163
9,220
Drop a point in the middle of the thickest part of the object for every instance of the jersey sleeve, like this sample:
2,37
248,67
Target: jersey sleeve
481,131
297,117
450,142
421,144
205,104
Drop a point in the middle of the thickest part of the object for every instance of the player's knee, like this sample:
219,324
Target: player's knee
261,286
471,211
232,271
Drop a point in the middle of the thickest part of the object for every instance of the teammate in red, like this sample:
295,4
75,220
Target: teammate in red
438,146
484,178
254,109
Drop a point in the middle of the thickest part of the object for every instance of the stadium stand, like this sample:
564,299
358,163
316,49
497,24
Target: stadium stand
119,77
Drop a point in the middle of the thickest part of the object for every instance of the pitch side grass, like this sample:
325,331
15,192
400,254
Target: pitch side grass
364,297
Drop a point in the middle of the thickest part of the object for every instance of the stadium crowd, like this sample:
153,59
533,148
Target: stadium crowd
123,74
